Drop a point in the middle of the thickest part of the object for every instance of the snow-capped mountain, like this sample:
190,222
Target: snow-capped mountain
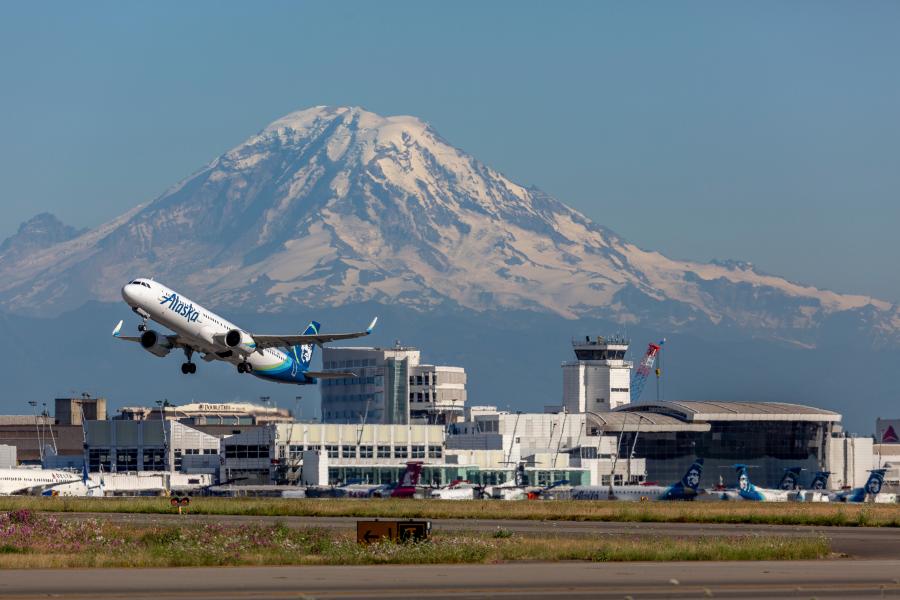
337,205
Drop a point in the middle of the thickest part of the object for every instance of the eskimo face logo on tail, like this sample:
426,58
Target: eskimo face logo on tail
874,485
693,478
744,482
177,306
306,353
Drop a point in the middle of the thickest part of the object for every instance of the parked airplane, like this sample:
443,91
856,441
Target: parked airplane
686,489
871,490
458,490
281,358
817,490
747,491
86,486
405,488
43,481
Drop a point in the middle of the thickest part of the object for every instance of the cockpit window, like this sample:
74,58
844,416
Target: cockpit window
139,282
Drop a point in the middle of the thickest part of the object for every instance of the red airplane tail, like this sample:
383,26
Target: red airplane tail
408,481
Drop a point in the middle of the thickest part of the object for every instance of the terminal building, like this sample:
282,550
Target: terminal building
772,436
392,387
208,413
370,453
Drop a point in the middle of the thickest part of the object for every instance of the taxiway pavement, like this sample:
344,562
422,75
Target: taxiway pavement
771,580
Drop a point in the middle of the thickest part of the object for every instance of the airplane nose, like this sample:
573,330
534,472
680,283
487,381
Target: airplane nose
128,294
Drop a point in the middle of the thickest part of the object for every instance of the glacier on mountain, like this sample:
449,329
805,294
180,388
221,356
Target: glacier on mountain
337,205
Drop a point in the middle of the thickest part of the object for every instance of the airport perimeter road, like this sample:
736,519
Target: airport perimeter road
855,542
820,579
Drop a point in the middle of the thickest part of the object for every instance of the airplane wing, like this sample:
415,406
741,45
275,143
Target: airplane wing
174,340
329,374
117,333
286,341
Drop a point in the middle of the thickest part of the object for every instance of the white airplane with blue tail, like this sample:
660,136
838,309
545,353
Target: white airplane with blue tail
685,489
280,358
746,490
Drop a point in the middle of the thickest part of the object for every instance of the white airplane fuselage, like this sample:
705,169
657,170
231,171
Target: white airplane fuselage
24,481
205,330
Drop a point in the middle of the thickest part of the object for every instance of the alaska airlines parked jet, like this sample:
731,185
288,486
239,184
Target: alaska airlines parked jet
869,491
747,491
686,489
281,358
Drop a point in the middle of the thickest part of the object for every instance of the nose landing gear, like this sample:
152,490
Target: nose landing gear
244,367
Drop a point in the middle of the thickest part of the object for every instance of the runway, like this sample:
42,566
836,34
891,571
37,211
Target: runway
802,579
854,542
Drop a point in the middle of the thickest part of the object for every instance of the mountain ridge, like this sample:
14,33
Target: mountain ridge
338,205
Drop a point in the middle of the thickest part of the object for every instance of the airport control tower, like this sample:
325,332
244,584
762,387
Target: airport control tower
598,381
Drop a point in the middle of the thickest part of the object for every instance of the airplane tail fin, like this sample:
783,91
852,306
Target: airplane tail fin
789,479
410,477
691,479
875,481
743,475
303,353
820,480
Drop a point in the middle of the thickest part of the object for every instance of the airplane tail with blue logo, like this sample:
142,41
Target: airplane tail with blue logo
691,479
303,353
875,481
789,480
820,481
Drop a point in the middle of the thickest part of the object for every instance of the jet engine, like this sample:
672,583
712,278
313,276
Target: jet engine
154,343
240,340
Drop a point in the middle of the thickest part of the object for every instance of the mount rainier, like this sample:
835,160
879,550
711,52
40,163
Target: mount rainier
333,206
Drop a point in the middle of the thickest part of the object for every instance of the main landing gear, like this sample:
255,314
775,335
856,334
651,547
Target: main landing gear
244,367
188,367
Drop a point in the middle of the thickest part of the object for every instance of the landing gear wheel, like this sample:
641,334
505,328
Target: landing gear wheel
244,367
188,367
142,327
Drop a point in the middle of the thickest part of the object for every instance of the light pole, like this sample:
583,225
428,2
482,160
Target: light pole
162,417
37,430
50,425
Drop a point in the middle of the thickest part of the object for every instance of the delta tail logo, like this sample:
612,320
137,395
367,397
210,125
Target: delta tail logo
177,306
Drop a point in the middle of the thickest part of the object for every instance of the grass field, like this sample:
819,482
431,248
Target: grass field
856,515
35,540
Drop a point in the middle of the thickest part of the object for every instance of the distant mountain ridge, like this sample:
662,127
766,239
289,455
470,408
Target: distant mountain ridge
333,206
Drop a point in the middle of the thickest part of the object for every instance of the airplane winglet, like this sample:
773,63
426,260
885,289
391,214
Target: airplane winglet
118,329
371,326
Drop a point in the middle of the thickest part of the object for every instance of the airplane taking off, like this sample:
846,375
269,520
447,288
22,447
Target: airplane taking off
686,489
280,358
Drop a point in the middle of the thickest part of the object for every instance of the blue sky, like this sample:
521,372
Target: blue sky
766,132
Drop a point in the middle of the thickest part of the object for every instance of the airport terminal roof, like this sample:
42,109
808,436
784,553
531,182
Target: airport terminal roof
694,411
643,422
